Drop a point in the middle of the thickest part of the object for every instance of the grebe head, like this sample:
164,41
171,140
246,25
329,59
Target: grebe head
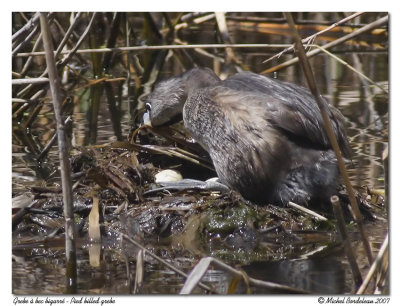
166,102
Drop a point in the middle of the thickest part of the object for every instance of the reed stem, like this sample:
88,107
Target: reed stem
70,234
329,130
336,42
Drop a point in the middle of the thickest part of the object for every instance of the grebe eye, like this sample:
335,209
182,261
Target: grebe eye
148,106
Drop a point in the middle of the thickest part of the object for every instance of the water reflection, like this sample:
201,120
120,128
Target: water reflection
324,275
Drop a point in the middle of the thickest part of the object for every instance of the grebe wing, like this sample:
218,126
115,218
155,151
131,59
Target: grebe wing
288,107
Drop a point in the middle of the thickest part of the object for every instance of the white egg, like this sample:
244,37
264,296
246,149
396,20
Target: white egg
168,176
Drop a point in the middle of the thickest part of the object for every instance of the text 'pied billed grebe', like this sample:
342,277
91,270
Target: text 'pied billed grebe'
265,137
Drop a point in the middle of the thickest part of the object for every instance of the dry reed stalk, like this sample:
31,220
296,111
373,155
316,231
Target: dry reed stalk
307,211
78,44
70,233
159,259
30,59
27,28
15,82
201,268
359,73
385,159
160,47
139,275
336,42
311,37
67,34
224,33
66,59
341,225
380,258
26,41
329,130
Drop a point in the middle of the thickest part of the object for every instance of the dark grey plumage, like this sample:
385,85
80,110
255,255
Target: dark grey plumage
265,137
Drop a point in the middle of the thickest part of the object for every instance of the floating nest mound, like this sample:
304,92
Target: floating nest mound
115,192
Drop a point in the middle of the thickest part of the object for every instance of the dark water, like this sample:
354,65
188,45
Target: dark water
41,269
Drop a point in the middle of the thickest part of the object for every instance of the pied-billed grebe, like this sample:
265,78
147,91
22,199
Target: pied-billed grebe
265,137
